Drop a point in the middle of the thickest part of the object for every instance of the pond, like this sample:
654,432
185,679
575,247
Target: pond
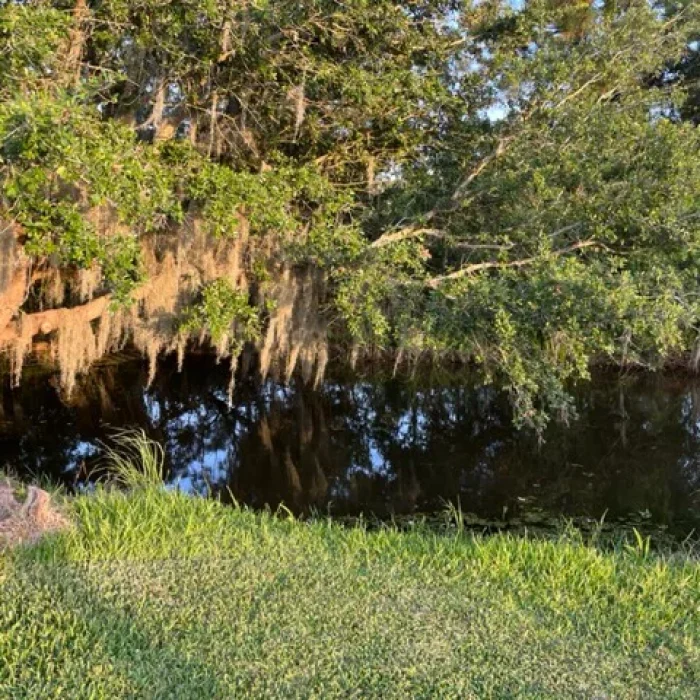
382,447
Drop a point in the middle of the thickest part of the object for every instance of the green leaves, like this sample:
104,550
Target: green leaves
224,313
516,188
568,226
60,165
30,38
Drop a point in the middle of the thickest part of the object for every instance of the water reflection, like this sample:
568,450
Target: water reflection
382,447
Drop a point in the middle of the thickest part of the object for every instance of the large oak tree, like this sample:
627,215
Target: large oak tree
515,187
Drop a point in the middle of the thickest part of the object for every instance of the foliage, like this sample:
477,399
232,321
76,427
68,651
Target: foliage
516,186
220,307
60,161
568,232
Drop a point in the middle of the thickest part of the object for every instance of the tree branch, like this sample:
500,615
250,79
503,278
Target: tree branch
404,233
478,267
411,231
14,273
460,190
12,298
76,42
500,149
484,246
45,322
577,92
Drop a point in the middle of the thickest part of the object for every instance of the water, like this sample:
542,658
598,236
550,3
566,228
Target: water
377,447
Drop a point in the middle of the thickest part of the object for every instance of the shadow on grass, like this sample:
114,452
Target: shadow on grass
66,636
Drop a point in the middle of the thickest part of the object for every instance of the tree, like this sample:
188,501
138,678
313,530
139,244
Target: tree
566,233
155,153
516,188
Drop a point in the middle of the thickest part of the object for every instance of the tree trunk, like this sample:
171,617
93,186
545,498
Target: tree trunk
14,274
76,42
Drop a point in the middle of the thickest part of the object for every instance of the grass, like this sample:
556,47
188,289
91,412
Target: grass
132,459
157,595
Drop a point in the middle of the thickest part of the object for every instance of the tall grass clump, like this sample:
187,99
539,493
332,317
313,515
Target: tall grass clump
133,460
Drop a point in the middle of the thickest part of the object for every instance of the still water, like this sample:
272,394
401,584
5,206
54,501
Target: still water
381,447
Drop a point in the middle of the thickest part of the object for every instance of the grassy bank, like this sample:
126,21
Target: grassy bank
155,594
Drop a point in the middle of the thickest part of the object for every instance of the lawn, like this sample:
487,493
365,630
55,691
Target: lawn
157,595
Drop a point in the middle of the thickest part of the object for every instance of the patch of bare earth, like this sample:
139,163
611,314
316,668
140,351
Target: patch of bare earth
27,522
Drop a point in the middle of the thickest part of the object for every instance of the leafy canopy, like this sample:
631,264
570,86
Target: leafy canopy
518,187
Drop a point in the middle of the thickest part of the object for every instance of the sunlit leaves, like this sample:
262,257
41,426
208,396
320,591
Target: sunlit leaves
219,307
534,164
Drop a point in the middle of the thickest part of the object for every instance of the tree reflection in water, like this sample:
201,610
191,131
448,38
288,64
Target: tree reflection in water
382,447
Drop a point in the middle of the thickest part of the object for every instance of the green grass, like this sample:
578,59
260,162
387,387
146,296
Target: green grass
132,459
157,595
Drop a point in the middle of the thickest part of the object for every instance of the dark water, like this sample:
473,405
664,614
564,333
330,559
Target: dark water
381,447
